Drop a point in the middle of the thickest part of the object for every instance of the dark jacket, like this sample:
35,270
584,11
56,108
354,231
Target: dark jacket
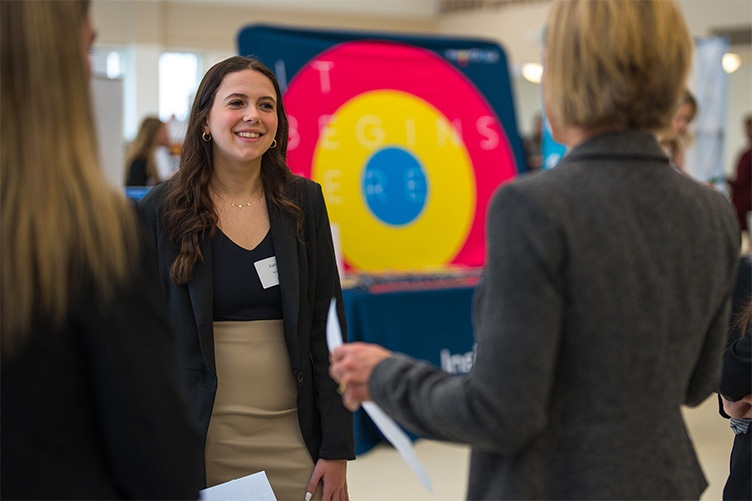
736,383
602,309
308,281
95,410
137,175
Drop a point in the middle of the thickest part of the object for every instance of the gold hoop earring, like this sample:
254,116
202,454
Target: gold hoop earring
206,137
274,144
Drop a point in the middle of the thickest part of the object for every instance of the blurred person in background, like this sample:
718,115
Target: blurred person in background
534,145
677,138
736,397
605,297
142,161
91,404
741,184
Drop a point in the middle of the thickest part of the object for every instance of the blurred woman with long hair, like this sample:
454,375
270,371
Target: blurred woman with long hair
91,403
142,167
677,138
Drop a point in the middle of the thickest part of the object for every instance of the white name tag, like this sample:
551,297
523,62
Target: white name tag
267,272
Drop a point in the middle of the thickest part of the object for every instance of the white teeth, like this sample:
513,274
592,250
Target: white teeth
249,134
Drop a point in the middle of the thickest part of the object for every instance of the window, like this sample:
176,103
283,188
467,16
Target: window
106,62
178,81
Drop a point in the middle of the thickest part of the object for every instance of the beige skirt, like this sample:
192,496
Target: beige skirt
254,423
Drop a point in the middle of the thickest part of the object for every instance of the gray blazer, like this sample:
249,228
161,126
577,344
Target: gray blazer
603,308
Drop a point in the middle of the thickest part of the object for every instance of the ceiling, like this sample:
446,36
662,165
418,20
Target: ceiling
739,31
401,8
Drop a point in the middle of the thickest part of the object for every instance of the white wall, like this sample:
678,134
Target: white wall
145,29
107,95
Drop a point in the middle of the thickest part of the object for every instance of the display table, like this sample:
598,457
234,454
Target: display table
430,322
136,193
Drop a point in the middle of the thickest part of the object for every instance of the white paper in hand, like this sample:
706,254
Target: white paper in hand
333,331
253,487
385,424
399,440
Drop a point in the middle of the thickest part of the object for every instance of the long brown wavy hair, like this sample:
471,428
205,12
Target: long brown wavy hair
63,227
189,214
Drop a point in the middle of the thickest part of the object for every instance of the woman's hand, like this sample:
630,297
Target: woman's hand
332,473
739,409
351,366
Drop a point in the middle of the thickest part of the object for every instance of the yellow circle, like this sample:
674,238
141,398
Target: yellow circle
367,124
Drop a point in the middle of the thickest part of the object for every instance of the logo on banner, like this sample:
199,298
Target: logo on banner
457,363
407,151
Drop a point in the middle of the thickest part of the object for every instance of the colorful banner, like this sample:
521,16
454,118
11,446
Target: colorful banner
408,136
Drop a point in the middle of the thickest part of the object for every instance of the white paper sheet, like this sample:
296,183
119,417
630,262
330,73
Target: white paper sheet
388,427
253,487
333,331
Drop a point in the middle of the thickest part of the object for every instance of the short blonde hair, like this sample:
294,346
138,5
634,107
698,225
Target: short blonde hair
615,62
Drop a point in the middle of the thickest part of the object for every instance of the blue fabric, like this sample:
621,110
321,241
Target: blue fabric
418,323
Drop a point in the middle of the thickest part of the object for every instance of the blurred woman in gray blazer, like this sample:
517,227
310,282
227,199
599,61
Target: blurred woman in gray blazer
605,298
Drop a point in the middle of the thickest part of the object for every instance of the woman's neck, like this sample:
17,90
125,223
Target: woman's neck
573,136
231,182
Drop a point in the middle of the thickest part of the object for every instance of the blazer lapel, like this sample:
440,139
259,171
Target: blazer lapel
285,250
201,290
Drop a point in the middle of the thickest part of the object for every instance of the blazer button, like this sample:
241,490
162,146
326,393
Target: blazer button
300,376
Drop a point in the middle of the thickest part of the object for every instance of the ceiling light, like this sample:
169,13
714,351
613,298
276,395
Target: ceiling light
532,72
731,62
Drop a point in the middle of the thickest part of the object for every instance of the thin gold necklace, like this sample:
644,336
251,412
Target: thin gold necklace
240,206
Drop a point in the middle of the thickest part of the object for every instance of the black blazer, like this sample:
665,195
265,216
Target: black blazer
308,281
736,383
137,175
95,410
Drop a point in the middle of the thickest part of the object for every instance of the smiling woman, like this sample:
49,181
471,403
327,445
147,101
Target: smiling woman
247,255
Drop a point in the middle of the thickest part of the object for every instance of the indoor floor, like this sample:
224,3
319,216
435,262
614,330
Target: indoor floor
380,474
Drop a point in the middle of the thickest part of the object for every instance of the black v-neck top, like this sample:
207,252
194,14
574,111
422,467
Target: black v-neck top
238,292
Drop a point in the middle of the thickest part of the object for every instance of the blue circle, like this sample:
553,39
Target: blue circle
395,186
